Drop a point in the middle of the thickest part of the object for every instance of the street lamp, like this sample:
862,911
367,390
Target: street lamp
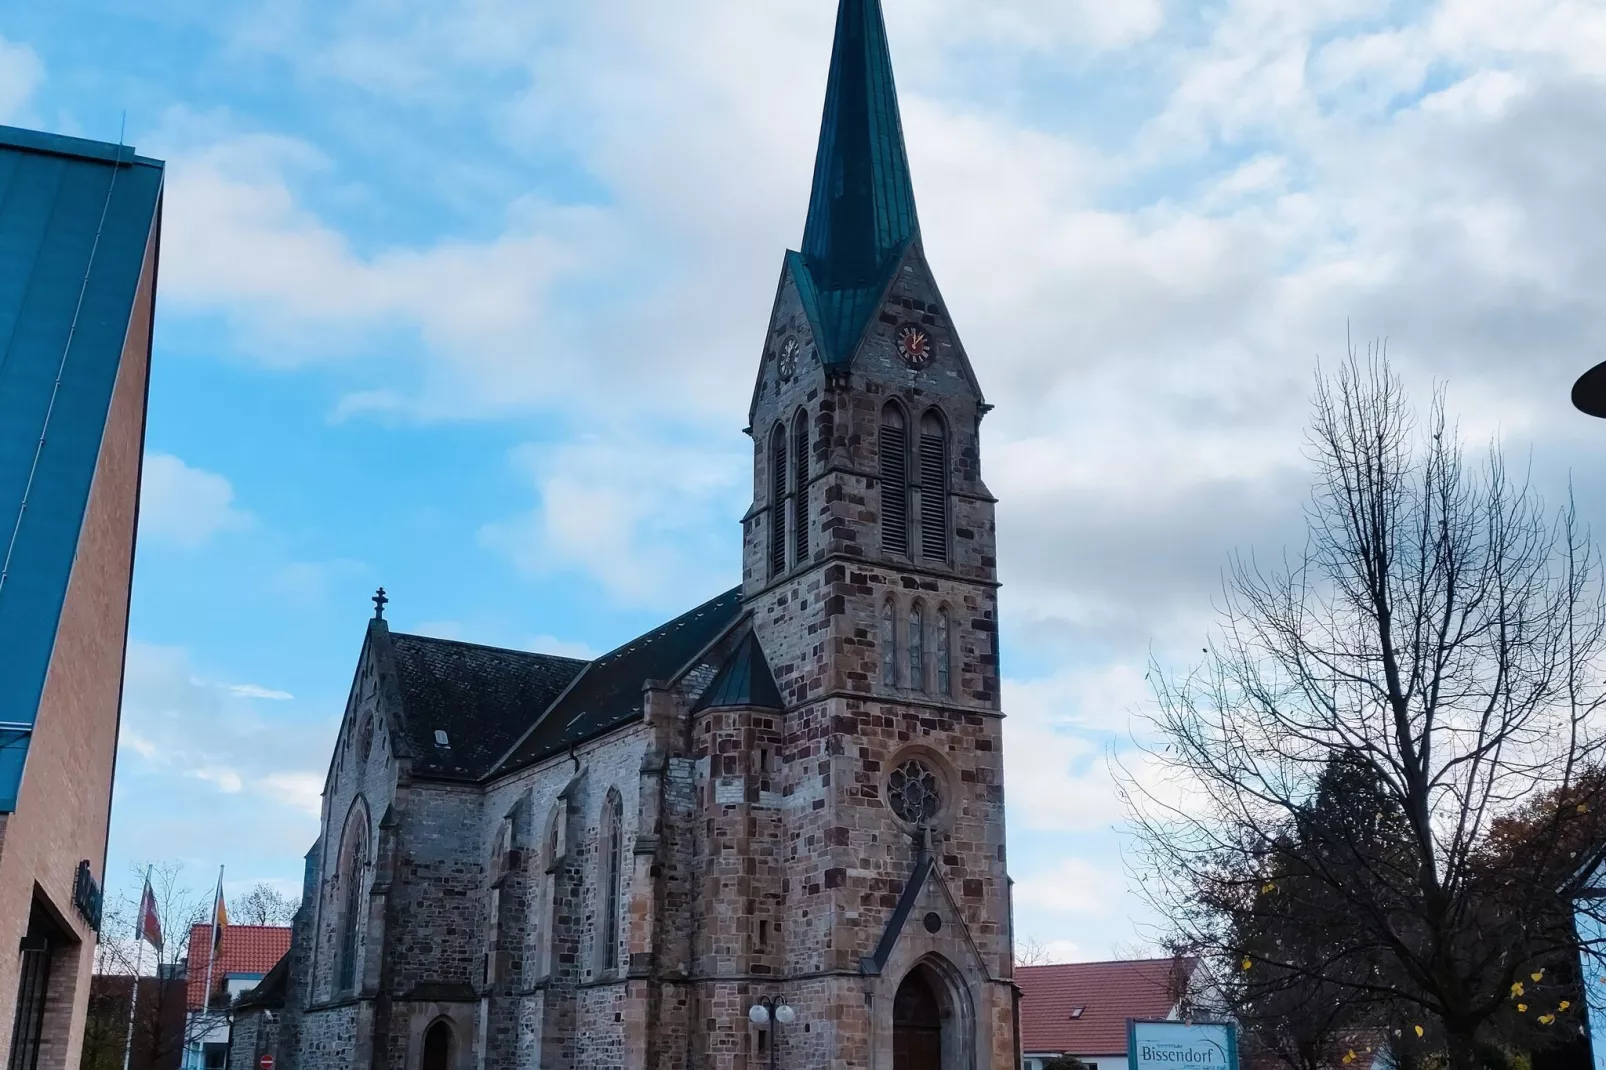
772,1009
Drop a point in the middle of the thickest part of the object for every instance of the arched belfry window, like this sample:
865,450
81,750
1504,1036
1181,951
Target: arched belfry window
800,487
933,487
944,678
917,647
778,501
894,452
612,845
889,645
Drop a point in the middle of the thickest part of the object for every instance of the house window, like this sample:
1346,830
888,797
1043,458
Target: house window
889,646
894,458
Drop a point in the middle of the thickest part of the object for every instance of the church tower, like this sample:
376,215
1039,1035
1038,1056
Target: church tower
869,571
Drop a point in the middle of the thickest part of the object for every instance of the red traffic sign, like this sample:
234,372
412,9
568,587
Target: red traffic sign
266,1062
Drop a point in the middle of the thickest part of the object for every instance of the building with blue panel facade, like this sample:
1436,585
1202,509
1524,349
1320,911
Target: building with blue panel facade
79,237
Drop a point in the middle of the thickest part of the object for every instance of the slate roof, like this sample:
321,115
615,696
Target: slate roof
1107,993
862,208
244,949
608,693
482,697
744,680
75,219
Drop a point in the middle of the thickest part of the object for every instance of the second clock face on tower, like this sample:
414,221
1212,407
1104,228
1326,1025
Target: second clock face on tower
914,346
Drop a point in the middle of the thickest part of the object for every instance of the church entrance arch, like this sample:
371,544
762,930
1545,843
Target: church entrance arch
917,1023
438,1047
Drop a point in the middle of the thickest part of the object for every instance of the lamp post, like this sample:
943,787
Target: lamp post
772,1011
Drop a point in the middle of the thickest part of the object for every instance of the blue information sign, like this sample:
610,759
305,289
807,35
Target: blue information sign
1154,1045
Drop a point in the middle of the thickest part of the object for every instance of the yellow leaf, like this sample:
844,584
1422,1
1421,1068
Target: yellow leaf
1247,964
1536,976
1418,1030
1522,1008
1564,1004
1583,808
1268,887
1349,1057
1546,1019
1516,988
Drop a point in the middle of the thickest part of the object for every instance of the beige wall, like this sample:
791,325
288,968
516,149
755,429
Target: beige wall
64,805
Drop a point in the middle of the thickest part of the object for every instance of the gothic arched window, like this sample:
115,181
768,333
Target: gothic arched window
889,645
365,737
943,668
778,501
546,953
800,487
933,487
612,845
353,864
893,447
917,647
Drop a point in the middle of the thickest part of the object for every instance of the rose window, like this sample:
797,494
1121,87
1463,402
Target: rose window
912,792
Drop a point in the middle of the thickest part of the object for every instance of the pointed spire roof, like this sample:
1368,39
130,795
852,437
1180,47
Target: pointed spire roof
862,211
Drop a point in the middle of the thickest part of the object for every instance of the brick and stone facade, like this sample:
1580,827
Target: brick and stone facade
530,862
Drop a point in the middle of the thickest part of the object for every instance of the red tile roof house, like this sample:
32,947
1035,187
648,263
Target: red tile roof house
245,955
1081,1009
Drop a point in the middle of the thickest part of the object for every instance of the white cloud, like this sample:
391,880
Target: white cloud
186,506
227,780
20,74
176,720
256,691
631,513
1073,886
301,790
567,648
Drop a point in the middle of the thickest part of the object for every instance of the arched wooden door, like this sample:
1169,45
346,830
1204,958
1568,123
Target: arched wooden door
916,1025
438,1047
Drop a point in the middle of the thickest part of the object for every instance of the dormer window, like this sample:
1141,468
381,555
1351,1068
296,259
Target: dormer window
440,738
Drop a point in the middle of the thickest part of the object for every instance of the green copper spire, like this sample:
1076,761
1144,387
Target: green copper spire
862,212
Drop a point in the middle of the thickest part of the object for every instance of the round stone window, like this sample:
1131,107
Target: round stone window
912,792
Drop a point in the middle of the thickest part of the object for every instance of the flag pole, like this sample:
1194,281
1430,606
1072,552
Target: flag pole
211,955
139,964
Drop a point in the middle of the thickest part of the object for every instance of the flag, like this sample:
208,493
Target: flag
220,917
150,924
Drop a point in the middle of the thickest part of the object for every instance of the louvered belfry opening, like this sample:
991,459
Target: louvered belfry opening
894,449
800,487
933,488
778,501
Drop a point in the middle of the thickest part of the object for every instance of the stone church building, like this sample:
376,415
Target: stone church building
791,794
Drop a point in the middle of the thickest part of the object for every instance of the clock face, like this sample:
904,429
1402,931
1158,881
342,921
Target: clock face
914,346
788,358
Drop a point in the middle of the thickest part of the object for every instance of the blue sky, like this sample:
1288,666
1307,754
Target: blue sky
463,297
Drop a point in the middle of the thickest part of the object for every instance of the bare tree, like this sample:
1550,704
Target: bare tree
1032,952
264,905
1439,639
179,908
